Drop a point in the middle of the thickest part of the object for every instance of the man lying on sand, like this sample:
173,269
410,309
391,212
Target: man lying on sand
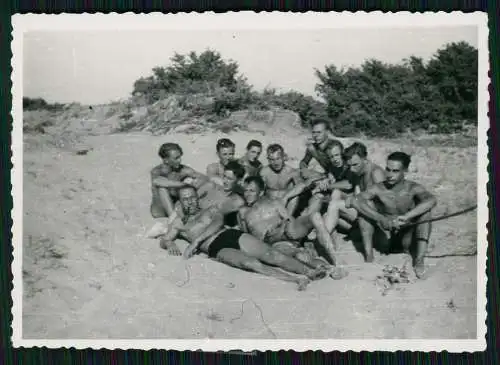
250,160
167,177
225,152
363,174
281,180
204,230
268,219
390,205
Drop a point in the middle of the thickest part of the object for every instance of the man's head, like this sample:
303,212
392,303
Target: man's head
335,151
233,173
254,189
225,150
171,154
188,197
276,157
355,156
397,166
254,149
319,130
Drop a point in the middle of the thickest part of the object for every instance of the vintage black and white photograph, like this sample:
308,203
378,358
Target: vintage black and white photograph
247,181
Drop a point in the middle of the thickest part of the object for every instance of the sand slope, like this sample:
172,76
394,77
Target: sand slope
90,273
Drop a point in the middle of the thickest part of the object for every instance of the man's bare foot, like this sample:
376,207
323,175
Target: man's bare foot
337,273
419,269
171,247
318,273
302,284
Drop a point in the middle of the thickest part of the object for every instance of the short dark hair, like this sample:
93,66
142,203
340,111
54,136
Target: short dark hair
356,148
237,169
318,121
275,147
187,187
257,180
334,143
254,143
224,143
402,157
165,149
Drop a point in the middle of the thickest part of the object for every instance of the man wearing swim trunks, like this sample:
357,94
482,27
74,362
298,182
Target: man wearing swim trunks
251,161
166,178
389,206
225,152
204,230
363,174
268,219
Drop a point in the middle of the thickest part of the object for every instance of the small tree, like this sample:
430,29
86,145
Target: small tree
192,73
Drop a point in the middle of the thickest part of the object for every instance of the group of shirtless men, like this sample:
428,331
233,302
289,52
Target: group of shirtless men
275,219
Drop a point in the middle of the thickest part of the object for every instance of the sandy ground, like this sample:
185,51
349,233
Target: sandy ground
88,271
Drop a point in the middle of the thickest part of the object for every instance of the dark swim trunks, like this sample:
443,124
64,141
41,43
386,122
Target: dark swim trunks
226,239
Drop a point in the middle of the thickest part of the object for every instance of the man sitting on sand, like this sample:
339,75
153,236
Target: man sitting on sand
251,158
268,219
204,230
282,181
225,152
167,177
317,148
363,174
390,205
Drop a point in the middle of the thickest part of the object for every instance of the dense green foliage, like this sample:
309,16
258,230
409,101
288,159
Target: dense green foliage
40,104
381,99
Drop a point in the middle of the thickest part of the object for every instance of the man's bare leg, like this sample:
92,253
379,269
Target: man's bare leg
422,235
252,247
300,228
240,260
292,205
299,253
367,231
166,201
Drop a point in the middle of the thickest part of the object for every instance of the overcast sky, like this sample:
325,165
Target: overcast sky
98,67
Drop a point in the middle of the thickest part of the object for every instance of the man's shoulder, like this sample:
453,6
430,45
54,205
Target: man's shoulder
159,169
265,170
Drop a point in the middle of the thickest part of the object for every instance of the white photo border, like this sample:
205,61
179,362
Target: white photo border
237,21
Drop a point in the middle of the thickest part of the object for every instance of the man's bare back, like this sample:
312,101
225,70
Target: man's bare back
373,175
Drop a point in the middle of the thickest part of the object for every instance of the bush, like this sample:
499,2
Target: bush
381,99
40,104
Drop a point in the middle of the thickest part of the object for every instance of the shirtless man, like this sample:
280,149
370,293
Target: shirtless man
282,181
251,159
268,219
317,147
204,230
225,152
362,175
392,204
166,178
